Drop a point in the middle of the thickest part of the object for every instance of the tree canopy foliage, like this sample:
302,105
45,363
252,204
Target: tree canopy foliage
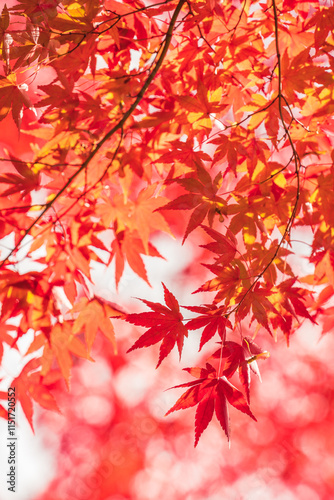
208,121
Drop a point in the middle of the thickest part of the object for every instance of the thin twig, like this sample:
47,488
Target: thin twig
118,126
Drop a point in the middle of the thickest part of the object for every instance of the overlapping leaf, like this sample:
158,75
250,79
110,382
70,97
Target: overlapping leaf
165,325
238,134
13,97
202,198
242,357
210,392
212,319
28,386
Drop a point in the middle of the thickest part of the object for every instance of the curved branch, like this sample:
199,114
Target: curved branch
295,158
118,126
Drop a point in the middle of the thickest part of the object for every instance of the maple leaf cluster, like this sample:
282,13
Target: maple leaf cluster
136,114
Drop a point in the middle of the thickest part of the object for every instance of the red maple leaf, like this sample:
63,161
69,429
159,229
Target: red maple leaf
6,337
212,318
211,393
3,411
293,299
243,358
28,386
201,196
127,246
225,246
226,283
12,98
165,324
23,183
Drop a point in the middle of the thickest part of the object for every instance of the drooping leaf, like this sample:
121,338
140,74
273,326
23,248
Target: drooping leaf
242,358
165,325
212,318
211,392
201,197
86,321
28,384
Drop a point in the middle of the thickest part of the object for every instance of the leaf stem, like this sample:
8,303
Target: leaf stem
295,158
